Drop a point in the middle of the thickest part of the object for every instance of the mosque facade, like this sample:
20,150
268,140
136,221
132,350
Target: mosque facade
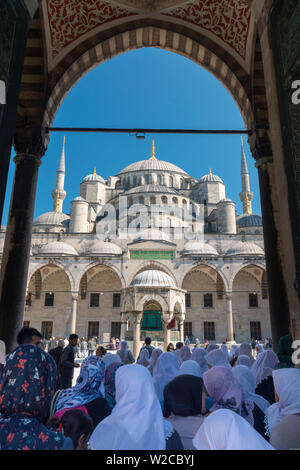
153,252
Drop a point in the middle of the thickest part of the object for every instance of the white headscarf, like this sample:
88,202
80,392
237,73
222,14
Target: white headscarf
264,365
226,430
260,348
136,421
225,351
154,356
165,370
246,350
287,387
144,359
217,358
246,380
233,350
190,368
199,355
123,351
243,360
185,353
110,358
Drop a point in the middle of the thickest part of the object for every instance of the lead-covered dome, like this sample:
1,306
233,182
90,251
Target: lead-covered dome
57,249
102,248
245,249
152,188
153,278
252,220
93,178
52,218
210,178
197,247
152,165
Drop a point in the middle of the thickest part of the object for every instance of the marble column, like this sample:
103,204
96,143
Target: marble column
230,334
74,313
166,318
137,319
180,322
16,253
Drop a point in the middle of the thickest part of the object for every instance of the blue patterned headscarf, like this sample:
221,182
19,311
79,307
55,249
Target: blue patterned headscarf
27,386
110,383
87,387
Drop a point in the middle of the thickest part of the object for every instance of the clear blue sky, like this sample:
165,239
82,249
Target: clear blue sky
145,88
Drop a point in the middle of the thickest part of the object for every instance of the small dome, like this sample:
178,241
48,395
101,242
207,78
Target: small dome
245,249
155,165
100,247
79,198
152,234
252,220
210,178
152,188
92,178
57,248
52,218
153,278
196,247
226,200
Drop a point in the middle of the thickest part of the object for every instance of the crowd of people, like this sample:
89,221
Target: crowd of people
211,398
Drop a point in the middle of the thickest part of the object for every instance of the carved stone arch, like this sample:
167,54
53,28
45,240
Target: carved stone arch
178,300
51,263
220,276
239,268
153,297
127,304
95,264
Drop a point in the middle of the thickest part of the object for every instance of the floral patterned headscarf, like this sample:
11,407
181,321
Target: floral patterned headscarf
87,386
223,388
27,386
110,383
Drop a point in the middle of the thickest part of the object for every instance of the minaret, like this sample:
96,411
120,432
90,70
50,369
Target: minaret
59,193
246,195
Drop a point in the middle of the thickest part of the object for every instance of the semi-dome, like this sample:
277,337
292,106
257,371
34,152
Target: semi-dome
152,234
100,247
152,165
245,249
152,188
79,198
57,248
197,247
93,178
252,220
210,178
52,218
153,278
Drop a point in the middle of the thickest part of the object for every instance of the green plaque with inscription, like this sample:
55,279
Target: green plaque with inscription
151,254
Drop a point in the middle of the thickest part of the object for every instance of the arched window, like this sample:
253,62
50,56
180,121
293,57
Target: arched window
147,179
152,200
134,180
171,181
175,201
164,200
141,200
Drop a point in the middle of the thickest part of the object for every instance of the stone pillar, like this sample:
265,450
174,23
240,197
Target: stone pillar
166,317
137,319
74,313
180,321
230,333
123,326
16,253
279,308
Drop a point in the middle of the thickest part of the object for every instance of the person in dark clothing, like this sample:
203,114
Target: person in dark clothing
266,390
262,369
147,346
284,349
57,352
67,363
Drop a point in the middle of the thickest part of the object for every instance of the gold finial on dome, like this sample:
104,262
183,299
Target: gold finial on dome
94,171
153,151
210,171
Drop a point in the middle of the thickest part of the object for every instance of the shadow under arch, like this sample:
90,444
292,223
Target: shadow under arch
37,268
219,279
96,264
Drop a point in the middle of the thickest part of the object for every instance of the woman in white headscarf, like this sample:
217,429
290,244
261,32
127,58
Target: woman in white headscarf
255,406
190,368
262,370
226,430
243,360
217,358
153,359
246,350
283,417
185,354
136,421
166,368
259,349
125,354
225,351
233,351
199,355
144,359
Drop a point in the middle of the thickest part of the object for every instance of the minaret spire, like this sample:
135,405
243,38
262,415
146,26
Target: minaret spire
246,195
59,192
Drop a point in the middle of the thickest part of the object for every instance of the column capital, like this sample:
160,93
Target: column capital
263,162
228,295
30,141
27,157
137,316
75,295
